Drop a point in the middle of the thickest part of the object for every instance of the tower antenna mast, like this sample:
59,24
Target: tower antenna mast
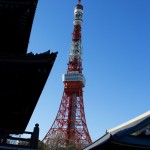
70,125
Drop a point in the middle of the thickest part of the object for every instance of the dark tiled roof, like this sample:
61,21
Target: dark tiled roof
16,19
22,75
22,81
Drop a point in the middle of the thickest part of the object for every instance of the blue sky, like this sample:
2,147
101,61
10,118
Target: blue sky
116,60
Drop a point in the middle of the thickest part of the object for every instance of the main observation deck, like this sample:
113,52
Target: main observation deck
74,77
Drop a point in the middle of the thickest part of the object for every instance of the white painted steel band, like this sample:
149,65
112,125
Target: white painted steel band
78,10
77,22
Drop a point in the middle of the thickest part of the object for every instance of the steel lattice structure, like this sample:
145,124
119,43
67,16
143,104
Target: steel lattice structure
70,123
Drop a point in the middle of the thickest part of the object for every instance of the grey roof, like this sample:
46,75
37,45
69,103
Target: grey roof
120,133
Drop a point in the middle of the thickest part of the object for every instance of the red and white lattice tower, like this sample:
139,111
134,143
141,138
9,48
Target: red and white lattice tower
70,123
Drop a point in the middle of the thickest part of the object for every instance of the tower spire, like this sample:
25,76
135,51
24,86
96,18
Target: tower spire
79,1
70,125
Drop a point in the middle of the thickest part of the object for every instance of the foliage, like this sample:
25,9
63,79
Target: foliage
42,146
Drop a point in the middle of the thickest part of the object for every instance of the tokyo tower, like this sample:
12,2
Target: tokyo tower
70,125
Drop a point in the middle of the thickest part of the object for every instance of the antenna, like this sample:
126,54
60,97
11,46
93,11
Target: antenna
70,125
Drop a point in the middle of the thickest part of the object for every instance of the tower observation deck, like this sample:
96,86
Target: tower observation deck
70,126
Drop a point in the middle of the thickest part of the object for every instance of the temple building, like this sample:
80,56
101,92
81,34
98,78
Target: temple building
131,135
22,75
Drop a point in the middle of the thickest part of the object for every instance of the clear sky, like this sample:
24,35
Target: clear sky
116,60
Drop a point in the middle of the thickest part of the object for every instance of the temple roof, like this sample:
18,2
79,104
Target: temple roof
16,23
22,81
22,76
131,135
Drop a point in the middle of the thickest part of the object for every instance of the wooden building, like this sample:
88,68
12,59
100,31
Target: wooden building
22,74
131,135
